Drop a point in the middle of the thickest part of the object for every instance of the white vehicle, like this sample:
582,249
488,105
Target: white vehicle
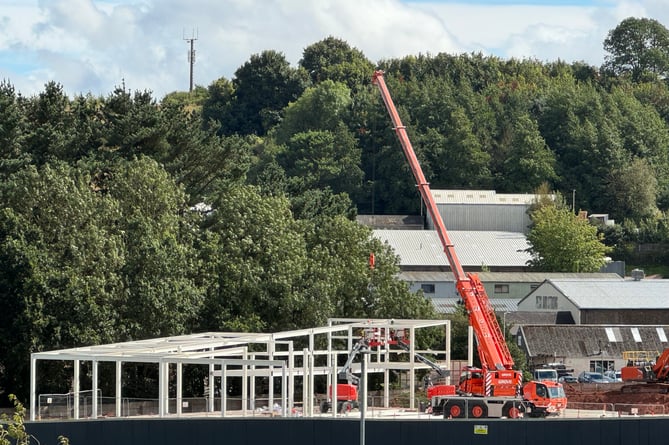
615,376
545,374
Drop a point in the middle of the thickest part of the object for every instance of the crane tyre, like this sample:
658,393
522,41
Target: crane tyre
325,407
513,410
454,409
478,410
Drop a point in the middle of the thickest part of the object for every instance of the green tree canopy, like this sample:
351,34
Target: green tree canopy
562,242
263,87
334,59
638,47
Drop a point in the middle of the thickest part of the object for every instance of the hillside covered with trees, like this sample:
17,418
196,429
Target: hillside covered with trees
233,207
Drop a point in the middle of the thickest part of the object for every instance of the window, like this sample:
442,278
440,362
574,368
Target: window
602,365
427,288
546,302
610,335
501,288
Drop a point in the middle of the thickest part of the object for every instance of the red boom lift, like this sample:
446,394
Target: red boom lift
495,389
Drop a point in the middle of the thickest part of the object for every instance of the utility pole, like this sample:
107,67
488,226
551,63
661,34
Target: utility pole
191,55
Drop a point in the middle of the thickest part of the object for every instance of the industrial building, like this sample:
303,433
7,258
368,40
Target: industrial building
483,210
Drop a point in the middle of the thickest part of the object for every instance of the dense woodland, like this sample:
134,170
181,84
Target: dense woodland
233,207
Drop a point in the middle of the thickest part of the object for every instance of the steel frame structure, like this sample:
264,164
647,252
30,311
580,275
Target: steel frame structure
246,355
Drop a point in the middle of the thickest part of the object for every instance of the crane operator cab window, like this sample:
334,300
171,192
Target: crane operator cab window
467,375
541,391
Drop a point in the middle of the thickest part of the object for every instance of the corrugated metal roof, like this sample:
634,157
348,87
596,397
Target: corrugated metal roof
591,340
506,277
616,294
474,249
398,222
500,305
538,277
482,197
419,276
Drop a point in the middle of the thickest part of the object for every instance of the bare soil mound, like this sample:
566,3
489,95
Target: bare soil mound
643,399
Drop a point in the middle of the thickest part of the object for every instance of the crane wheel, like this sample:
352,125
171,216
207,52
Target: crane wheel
478,410
325,407
454,409
513,410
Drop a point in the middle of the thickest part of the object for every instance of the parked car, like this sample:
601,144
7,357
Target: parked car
614,376
592,377
568,379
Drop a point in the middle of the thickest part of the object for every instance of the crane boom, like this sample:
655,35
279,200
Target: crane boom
493,350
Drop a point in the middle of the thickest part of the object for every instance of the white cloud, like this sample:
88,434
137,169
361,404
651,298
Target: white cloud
94,45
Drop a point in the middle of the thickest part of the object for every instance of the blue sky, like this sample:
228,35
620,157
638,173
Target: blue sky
140,43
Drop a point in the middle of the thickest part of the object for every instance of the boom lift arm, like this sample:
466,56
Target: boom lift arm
493,350
443,373
344,372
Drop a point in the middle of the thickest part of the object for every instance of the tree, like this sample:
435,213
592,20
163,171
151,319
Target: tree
217,109
456,159
323,107
198,158
162,293
562,242
51,135
134,125
253,257
91,254
320,159
340,283
638,47
529,161
333,59
12,150
59,267
13,428
632,191
577,123
263,87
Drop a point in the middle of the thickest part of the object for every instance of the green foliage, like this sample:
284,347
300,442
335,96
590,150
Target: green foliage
100,240
218,107
323,107
13,429
188,100
333,59
638,47
263,86
562,242
633,191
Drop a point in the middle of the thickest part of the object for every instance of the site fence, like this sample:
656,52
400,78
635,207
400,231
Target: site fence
62,406
588,409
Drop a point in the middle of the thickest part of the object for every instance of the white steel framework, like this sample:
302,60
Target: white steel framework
246,355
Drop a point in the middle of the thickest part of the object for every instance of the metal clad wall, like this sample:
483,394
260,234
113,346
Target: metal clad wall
303,431
488,217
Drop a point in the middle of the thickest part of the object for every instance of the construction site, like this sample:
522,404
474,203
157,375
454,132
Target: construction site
287,383
325,369
326,372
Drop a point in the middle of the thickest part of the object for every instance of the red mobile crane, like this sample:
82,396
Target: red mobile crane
495,389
